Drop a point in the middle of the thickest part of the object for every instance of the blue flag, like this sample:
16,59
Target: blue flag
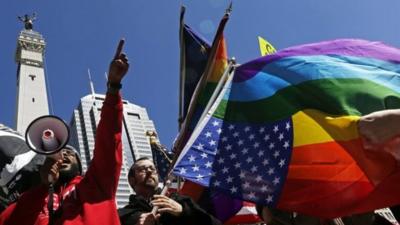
194,55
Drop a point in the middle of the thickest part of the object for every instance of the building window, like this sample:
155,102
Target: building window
134,115
33,99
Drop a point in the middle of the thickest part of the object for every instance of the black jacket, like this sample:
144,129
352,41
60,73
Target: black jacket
191,212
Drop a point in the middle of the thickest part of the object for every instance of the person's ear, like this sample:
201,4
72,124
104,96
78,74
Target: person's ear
132,181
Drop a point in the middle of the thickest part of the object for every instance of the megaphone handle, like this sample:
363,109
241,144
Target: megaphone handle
50,202
50,180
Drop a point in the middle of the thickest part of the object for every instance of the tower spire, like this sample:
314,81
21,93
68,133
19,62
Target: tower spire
91,84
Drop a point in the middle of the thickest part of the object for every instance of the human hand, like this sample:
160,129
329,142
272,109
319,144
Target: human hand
119,65
49,172
167,205
147,219
379,127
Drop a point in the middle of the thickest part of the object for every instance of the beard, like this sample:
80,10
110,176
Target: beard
151,182
66,175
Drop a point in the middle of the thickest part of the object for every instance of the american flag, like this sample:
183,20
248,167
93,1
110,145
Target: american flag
161,158
246,161
246,215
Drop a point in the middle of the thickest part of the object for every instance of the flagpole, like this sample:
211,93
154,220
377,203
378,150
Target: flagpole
184,123
227,77
91,84
202,83
221,82
211,108
182,69
184,128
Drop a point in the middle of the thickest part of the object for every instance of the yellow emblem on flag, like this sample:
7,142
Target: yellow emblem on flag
265,47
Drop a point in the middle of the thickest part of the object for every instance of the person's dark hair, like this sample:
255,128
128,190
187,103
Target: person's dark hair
77,156
131,170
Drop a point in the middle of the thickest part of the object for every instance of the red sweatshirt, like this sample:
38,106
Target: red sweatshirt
88,200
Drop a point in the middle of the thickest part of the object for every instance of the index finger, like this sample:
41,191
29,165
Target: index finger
160,196
119,48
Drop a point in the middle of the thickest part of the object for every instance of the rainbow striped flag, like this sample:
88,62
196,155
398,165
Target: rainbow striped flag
284,134
217,64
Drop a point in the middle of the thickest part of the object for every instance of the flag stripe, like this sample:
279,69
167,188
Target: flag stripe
347,47
246,215
217,71
376,165
332,96
318,195
219,67
206,95
322,127
244,219
298,69
192,189
324,162
338,198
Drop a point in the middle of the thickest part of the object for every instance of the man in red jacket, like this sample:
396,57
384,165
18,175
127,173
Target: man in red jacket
85,200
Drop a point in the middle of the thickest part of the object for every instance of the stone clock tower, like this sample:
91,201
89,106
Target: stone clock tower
31,83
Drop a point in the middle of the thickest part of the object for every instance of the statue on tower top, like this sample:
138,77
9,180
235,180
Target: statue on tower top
27,20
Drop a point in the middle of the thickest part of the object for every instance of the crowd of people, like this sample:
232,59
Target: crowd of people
66,196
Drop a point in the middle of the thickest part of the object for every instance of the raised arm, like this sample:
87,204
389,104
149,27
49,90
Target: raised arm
105,167
379,127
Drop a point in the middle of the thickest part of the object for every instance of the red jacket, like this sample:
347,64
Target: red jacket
88,200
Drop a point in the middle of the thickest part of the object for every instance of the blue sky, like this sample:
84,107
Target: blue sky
82,34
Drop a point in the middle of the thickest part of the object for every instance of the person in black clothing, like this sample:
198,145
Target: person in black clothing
175,209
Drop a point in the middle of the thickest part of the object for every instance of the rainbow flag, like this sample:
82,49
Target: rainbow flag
284,134
217,64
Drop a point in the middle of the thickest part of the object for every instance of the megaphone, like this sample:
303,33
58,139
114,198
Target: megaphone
47,135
